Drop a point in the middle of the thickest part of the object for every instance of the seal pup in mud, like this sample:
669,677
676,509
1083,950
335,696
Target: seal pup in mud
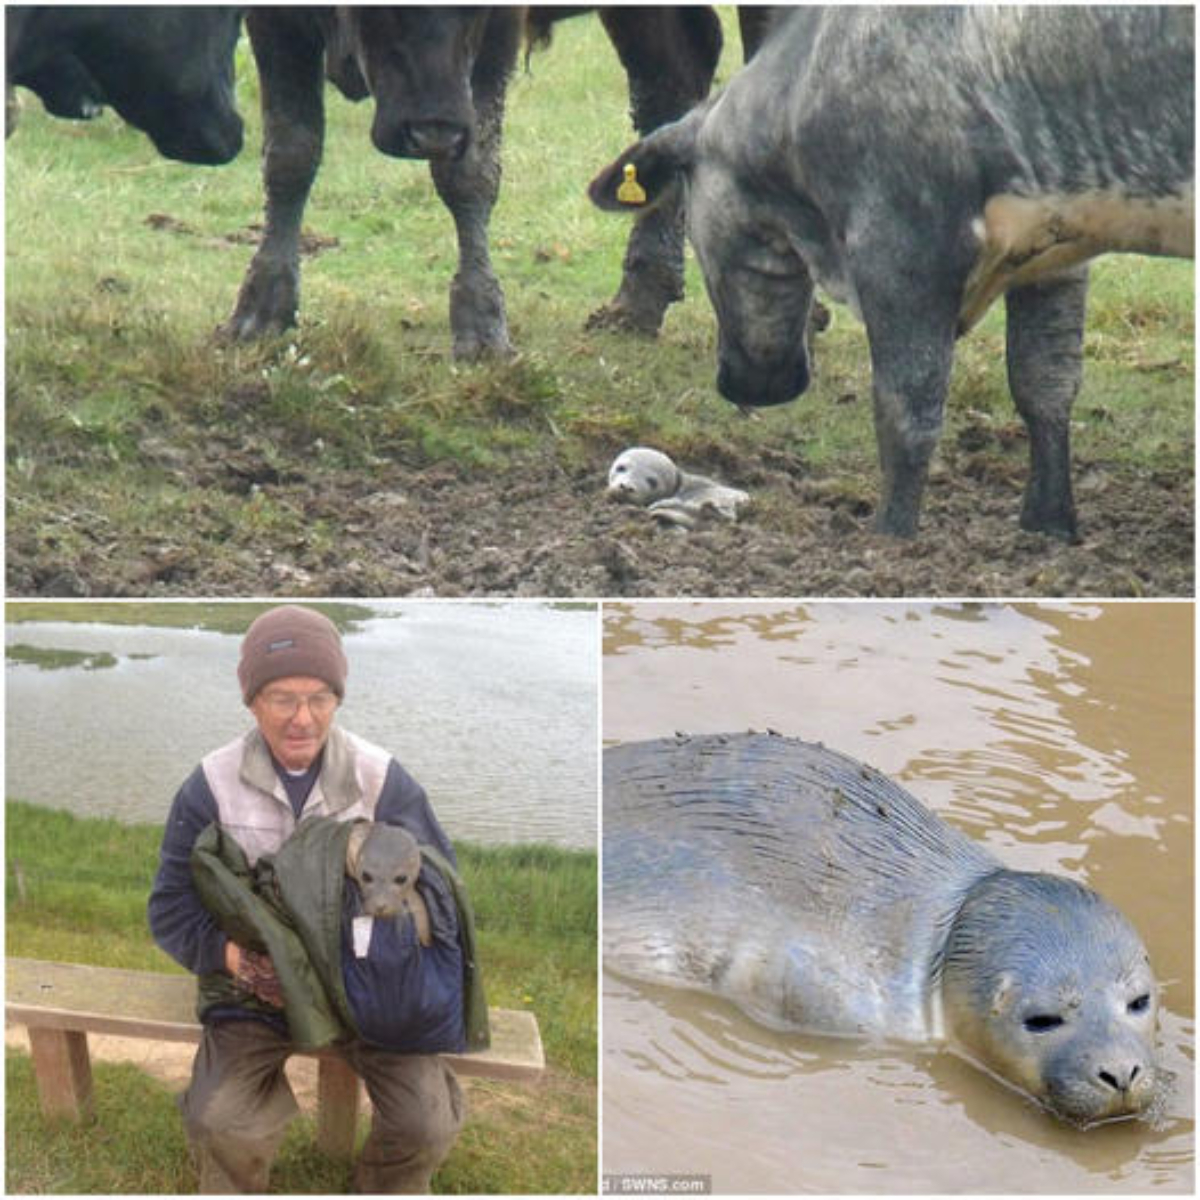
818,895
385,862
648,477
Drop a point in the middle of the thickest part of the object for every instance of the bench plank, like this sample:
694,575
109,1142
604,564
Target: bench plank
148,1004
101,1000
61,1003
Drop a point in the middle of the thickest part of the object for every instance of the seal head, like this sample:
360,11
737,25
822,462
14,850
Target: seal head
642,476
1048,986
385,862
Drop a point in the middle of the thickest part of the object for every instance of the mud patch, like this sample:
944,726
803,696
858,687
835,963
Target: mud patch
311,244
542,529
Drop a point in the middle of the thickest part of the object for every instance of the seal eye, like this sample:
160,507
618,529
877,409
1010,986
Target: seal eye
1141,1004
1042,1022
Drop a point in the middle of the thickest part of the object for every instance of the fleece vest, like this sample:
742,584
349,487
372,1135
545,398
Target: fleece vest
253,806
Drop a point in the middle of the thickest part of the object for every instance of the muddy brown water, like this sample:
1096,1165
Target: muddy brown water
1060,737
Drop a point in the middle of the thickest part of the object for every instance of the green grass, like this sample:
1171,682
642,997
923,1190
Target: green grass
76,890
53,660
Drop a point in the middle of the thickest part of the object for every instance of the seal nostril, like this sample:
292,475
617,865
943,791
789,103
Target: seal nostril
1110,1080
1133,1074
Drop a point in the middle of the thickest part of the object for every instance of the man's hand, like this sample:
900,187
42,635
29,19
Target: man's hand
254,973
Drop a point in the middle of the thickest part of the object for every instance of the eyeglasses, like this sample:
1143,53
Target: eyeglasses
287,704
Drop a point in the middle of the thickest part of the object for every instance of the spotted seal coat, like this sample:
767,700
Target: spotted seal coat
818,895
385,861
650,478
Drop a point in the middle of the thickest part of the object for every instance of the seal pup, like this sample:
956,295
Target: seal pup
649,478
385,862
818,895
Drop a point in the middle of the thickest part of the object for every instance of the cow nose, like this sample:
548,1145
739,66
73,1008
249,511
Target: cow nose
749,384
209,144
438,139
423,139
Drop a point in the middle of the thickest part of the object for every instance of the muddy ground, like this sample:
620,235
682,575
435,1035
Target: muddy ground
441,531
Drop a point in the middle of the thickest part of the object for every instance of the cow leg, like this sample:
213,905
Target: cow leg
290,56
911,336
1045,367
670,56
468,187
754,23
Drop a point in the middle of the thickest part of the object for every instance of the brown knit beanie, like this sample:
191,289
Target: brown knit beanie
291,640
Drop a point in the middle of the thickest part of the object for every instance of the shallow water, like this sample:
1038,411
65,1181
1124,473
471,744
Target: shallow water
1060,737
491,707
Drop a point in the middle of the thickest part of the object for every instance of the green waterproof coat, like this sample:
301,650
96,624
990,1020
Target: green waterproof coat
289,906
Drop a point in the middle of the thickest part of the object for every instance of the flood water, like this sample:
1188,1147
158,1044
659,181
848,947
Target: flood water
491,707
1058,736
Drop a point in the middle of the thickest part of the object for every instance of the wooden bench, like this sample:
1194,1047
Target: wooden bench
61,1003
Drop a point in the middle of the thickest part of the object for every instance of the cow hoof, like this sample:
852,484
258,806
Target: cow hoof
896,527
1060,531
616,316
469,350
250,328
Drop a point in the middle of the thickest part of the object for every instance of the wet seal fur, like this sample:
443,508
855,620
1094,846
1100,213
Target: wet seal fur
385,862
649,478
818,895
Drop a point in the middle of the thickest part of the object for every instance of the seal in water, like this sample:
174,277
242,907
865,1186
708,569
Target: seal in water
385,861
649,478
818,895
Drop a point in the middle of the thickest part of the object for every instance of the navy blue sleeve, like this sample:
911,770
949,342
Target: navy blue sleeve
180,923
403,802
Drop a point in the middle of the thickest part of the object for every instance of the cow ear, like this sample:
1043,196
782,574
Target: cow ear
648,171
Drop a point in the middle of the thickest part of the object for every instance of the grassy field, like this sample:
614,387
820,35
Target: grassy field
354,458
76,891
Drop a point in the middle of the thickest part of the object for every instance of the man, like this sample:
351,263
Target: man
295,764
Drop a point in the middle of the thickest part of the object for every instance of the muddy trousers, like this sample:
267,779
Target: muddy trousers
239,1102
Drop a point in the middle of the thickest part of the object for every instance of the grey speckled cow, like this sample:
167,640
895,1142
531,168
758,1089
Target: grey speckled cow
921,163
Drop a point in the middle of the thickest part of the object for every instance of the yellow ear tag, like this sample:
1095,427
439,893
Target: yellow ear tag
630,191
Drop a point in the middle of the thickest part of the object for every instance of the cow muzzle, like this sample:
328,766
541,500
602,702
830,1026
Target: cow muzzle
422,139
755,387
209,144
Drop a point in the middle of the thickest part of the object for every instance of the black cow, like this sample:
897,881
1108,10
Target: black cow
67,89
167,71
439,76
921,163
